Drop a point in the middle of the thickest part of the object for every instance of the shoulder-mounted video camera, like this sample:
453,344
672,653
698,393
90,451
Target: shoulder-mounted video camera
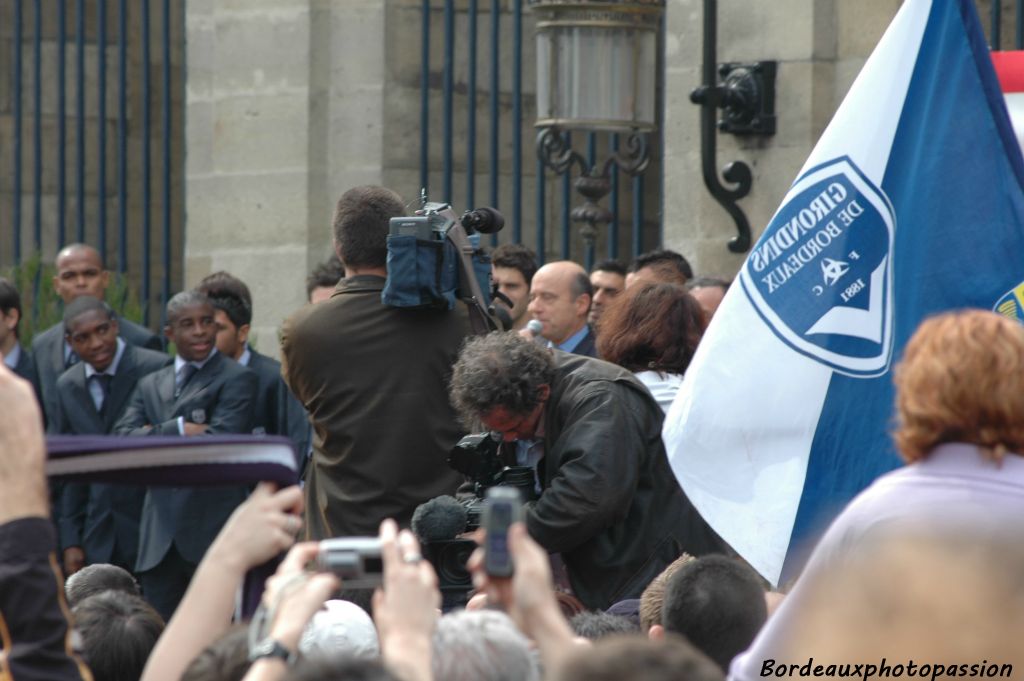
435,258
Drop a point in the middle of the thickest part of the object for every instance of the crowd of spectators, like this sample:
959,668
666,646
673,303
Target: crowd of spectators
616,575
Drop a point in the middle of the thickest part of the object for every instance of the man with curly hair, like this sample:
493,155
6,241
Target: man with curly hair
609,503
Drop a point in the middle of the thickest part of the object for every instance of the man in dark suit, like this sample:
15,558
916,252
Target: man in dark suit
203,392
374,379
560,297
80,272
98,523
17,358
277,410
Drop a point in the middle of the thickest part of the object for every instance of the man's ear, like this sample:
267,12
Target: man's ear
243,333
583,304
105,278
168,332
544,392
656,632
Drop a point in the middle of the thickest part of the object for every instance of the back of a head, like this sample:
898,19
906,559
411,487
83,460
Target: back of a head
325,275
597,625
97,578
361,221
961,380
718,604
639,659
118,632
651,326
653,598
669,266
481,645
226,659
225,284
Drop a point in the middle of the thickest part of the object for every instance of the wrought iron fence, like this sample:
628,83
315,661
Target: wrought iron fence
108,74
454,52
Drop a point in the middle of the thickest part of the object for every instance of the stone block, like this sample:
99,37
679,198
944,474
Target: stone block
356,51
257,209
684,33
199,138
860,25
261,132
261,51
754,31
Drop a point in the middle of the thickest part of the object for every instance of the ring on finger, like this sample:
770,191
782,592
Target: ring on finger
412,558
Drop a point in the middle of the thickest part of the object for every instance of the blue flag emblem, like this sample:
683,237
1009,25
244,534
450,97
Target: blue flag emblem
821,274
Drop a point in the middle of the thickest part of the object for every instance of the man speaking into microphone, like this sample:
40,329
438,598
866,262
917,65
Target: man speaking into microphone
609,503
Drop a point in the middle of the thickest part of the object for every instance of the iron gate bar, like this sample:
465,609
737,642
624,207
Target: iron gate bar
16,199
541,204
471,120
517,121
996,23
166,165
589,245
495,118
37,140
80,119
61,124
147,194
122,131
101,161
638,215
613,203
424,99
447,90
566,208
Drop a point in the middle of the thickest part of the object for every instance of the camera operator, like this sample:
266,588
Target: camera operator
609,503
373,379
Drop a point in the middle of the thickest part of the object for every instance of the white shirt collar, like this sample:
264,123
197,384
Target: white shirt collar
11,358
246,356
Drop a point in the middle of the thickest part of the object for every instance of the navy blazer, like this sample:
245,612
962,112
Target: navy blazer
99,517
587,345
277,410
48,352
222,395
26,368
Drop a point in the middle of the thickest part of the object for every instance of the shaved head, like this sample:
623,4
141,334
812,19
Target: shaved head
80,272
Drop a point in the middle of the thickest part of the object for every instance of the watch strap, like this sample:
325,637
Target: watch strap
270,648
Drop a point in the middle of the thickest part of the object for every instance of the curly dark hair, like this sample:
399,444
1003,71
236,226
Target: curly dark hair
499,370
651,326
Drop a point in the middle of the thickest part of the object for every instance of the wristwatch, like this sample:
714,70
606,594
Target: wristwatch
268,647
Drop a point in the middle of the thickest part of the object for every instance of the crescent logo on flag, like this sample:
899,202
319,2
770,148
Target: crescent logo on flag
821,276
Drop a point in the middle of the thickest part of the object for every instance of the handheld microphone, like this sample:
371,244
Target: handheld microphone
534,326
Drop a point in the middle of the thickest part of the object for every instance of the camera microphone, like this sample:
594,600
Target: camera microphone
439,519
485,220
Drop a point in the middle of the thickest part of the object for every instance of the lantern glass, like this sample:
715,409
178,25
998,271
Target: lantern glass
596,78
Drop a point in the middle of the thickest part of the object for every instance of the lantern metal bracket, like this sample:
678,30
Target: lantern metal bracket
595,181
746,96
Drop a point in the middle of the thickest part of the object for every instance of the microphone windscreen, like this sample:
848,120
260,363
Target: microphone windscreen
535,326
440,519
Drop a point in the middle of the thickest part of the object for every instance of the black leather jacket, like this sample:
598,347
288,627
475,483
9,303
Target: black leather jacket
610,503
